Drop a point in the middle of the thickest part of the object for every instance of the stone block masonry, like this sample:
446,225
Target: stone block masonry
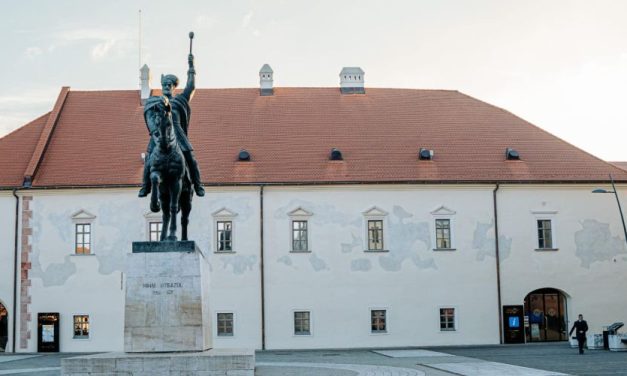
25,267
205,363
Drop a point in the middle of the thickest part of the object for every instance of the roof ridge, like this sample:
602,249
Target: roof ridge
558,138
44,137
276,87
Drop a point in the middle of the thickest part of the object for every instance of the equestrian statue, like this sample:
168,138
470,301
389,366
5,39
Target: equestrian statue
170,169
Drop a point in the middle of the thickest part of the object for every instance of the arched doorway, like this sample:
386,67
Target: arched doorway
4,327
545,310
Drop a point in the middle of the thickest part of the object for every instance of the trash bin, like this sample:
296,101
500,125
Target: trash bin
612,338
606,340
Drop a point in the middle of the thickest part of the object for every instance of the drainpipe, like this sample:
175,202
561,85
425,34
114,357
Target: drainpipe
261,267
17,213
498,263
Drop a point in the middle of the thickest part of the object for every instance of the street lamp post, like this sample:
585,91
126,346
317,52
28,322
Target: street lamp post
620,209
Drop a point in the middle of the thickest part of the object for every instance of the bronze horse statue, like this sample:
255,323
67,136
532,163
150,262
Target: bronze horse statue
169,175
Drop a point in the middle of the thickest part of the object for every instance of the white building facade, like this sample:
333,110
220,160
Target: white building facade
336,280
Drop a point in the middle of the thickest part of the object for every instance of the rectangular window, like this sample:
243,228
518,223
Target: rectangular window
375,235
81,326
545,238
83,239
299,236
302,323
155,231
447,319
225,324
377,321
443,233
225,236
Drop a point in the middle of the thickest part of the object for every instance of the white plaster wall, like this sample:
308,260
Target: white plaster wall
339,282
7,256
235,277
590,265
73,284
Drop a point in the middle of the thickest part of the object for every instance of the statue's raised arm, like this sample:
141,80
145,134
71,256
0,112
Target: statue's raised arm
190,87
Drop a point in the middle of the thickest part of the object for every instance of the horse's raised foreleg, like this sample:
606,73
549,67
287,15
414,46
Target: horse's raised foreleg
164,196
155,177
175,194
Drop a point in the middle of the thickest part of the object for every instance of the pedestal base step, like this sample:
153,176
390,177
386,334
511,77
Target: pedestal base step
214,362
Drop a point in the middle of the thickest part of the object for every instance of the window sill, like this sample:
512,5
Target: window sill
376,250
224,252
447,330
302,334
445,249
225,336
81,338
300,251
83,254
546,249
383,332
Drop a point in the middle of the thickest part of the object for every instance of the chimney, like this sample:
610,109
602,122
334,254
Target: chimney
266,80
352,81
144,78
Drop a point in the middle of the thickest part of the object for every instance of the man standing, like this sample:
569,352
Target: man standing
580,327
181,112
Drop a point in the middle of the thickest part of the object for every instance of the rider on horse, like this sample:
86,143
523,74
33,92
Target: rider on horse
181,113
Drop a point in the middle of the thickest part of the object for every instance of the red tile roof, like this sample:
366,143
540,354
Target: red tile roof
16,150
622,165
99,136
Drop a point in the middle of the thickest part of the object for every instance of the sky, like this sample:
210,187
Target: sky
562,65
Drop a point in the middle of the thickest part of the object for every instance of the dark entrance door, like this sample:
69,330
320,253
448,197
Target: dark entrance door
4,328
513,323
48,332
546,313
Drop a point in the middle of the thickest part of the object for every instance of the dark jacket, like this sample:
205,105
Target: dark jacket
581,328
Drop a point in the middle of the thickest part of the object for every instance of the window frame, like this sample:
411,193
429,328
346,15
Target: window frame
448,238
545,215
159,232
218,241
218,335
308,334
386,318
224,215
300,230
455,319
300,215
89,327
376,214
82,218
444,213
551,231
83,243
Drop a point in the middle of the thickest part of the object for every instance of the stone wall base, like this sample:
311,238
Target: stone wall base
214,362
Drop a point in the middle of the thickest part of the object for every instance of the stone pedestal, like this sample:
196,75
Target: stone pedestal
167,323
167,302
205,363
